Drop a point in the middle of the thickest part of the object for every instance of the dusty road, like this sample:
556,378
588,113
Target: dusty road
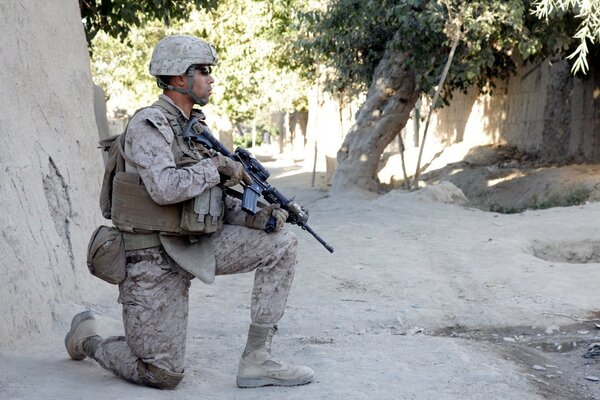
421,300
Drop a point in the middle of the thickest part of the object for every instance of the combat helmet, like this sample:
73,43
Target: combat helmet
177,55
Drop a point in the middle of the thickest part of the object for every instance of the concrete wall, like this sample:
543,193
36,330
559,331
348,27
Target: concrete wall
49,165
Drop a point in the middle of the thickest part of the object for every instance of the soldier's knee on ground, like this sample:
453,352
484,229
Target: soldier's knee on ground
158,377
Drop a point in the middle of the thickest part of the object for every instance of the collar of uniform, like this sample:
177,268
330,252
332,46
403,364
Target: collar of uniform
170,101
197,113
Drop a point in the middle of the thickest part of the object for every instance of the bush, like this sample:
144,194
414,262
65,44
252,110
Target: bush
246,140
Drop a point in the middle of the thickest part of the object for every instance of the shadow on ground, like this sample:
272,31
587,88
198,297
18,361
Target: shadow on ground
564,362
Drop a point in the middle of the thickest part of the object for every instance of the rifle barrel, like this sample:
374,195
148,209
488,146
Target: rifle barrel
316,236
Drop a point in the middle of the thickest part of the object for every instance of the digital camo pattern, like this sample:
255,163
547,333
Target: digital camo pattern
234,215
148,144
155,294
174,54
273,256
155,299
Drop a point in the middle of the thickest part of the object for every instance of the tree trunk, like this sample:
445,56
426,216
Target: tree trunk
384,113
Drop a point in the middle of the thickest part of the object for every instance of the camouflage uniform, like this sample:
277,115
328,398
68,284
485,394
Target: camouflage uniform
154,294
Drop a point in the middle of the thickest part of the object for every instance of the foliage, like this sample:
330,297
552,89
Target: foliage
122,69
250,82
246,37
350,37
576,196
343,42
589,29
117,17
246,140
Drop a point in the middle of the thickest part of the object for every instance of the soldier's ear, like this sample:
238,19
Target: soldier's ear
179,81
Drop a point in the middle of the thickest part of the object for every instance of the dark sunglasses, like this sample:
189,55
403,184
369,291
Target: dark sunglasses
204,69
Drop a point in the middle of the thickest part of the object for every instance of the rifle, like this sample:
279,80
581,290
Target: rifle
297,215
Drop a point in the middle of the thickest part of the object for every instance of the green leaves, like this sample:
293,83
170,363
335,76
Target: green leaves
252,39
350,36
117,17
588,30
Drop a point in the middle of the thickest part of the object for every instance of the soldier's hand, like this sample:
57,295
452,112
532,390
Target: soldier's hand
261,218
232,170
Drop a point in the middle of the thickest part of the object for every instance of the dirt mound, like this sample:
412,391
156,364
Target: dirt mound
504,180
443,192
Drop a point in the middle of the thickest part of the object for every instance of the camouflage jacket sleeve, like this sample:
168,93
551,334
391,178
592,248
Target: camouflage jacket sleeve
148,144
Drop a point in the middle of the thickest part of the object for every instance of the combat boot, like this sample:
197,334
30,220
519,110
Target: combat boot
257,368
82,340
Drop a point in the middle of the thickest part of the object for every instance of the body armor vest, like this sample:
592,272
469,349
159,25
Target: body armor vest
133,210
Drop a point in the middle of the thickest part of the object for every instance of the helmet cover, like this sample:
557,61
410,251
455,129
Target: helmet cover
173,55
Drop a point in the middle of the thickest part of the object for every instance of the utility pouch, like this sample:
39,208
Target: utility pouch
133,209
204,213
113,164
106,255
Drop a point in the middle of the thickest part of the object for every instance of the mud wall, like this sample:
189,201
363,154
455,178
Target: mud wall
327,123
542,110
49,164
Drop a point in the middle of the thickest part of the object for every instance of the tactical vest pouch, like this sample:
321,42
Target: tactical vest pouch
133,209
106,255
113,164
204,213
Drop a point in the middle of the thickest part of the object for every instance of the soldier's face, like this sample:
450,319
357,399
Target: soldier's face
203,81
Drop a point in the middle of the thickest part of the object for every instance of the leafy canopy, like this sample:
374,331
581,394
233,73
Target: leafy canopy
251,81
588,11
117,17
349,37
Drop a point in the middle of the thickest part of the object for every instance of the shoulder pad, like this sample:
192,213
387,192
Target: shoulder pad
157,119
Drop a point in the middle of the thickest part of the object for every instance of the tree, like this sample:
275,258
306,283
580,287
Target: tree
121,69
397,49
589,29
251,82
117,17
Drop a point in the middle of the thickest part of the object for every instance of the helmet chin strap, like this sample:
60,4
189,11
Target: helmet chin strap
201,101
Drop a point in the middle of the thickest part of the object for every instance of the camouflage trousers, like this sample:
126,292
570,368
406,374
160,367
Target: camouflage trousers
155,297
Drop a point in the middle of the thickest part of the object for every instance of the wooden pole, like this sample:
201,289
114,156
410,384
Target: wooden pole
435,98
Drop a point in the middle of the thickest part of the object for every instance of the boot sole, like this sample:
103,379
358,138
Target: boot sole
78,319
259,382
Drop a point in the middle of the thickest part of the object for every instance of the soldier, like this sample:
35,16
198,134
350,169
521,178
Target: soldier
178,223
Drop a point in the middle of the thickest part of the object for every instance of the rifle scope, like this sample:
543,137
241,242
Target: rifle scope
252,163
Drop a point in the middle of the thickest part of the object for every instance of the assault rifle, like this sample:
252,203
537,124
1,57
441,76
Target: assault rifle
297,215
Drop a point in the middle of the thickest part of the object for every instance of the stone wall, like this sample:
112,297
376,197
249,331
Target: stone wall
50,167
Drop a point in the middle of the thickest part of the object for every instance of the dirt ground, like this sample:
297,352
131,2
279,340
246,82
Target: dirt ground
425,297
499,178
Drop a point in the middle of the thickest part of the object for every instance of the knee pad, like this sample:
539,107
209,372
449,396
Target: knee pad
158,377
